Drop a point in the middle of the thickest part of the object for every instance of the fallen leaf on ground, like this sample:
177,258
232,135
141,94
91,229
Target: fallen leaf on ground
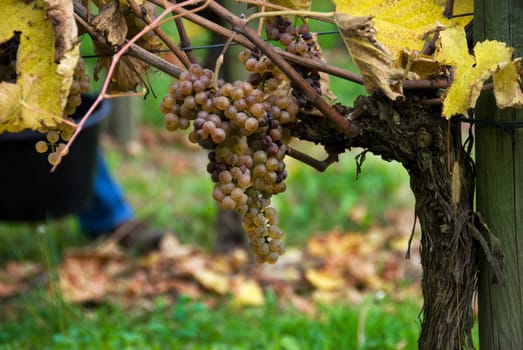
246,292
213,281
325,280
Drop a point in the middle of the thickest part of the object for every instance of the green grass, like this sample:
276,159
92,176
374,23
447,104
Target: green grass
192,325
317,201
313,201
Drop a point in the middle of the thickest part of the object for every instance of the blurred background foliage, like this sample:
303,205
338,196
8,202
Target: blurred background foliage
167,184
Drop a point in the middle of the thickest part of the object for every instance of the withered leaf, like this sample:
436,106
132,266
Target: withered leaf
110,22
66,32
373,60
127,74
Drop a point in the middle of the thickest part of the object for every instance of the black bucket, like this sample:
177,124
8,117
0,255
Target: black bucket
30,191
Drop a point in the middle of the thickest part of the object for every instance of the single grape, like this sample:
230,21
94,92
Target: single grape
218,135
184,123
259,157
264,249
251,125
53,136
240,104
304,28
272,257
250,64
272,32
237,194
286,39
196,69
41,146
75,88
189,102
85,84
171,121
257,110
53,158
260,67
217,194
221,103
301,47
244,55
186,88
227,203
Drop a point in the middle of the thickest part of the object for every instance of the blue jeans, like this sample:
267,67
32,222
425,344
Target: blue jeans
108,207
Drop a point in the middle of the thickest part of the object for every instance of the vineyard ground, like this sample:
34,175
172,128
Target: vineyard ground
167,184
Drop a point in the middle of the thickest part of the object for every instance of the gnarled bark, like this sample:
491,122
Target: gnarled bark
442,179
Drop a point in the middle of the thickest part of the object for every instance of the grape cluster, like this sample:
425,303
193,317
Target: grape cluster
56,136
242,124
79,86
301,42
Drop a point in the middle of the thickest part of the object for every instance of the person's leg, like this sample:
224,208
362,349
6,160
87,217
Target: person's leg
108,207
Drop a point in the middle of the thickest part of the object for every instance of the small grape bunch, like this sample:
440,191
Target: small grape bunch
298,41
52,144
56,136
80,85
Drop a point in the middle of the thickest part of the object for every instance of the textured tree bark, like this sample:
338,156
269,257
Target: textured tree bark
442,179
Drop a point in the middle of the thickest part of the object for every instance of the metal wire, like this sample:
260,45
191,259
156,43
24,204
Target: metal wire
208,46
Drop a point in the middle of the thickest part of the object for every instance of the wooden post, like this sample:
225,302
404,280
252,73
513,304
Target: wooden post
499,159
124,120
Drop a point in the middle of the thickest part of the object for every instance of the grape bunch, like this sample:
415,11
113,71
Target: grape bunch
79,86
243,125
56,136
301,42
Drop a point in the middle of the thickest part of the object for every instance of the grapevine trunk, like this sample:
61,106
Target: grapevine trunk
442,179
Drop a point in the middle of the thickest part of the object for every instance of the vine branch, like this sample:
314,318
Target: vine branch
182,56
111,68
239,25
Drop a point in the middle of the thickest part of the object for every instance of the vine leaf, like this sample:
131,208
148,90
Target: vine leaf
372,59
491,59
378,33
110,22
403,23
304,5
39,38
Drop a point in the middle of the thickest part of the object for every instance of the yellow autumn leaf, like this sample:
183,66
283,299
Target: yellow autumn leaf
303,5
246,292
422,66
491,59
213,281
46,54
325,280
402,24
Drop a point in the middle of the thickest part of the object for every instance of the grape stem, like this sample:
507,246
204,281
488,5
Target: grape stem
115,60
185,42
289,12
182,56
310,14
219,61
319,165
239,25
